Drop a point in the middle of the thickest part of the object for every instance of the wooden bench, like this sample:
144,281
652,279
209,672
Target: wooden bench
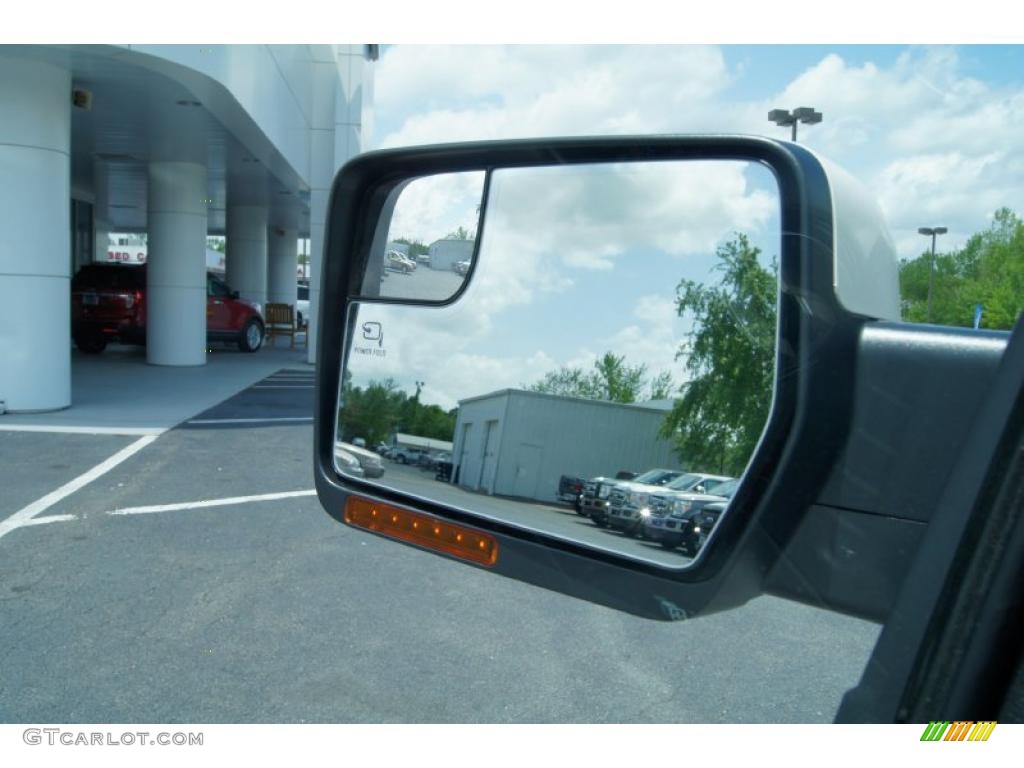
280,321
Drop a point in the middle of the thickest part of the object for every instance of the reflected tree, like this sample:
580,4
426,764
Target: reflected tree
611,379
380,409
729,361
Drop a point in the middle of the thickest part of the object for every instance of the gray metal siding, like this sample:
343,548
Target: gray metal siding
470,432
444,253
575,437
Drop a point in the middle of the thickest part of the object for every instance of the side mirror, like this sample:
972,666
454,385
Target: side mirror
597,229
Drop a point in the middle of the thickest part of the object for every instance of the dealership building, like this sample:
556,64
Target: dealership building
519,443
178,142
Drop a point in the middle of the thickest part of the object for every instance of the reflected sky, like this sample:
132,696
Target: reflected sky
574,261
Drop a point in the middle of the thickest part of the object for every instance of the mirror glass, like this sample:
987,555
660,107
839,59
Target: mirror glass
423,251
608,370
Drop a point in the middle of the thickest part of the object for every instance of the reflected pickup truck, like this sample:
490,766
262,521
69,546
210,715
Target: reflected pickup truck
593,501
676,517
626,499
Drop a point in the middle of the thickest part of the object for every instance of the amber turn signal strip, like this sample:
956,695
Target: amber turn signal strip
416,528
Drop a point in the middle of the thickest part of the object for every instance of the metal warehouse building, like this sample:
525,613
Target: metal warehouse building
444,253
519,443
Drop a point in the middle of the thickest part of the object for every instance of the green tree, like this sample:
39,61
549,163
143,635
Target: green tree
416,248
729,358
379,410
611,379
662,387
988,270
371,413
461,234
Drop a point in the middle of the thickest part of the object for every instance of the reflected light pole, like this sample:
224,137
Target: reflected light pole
805,115
933,231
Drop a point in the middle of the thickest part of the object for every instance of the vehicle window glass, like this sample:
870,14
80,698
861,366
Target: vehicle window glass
684,482
215,287
719,488
651,477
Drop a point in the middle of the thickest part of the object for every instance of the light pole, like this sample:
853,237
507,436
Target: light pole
933,231
805,115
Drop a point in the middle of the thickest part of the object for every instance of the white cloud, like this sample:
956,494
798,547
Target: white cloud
934,144
879,120
432,207
655,339
477,92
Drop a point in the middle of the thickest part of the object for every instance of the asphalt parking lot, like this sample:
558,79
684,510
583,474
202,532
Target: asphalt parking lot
197,579
553,519
422,283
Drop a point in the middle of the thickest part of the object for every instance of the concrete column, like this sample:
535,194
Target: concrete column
100,205
283,262
321,174
246,251
176,264
35,237
336,137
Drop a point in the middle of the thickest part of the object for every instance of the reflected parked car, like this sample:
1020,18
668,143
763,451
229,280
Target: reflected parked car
627,498
688,485
370,462
346,462
631,514
406,455
439,458
680,525
461,267
593,499
701,525
569,489
399,262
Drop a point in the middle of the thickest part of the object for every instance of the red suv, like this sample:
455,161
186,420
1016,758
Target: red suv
108,303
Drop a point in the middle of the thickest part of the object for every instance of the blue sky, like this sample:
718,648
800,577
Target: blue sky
935,132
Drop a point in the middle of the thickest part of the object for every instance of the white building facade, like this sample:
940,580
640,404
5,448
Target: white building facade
176,141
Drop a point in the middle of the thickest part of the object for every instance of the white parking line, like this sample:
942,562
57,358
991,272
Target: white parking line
49,519
69,430
211,503
250,421
24,515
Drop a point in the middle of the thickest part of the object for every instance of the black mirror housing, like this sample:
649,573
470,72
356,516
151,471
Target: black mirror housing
806,429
